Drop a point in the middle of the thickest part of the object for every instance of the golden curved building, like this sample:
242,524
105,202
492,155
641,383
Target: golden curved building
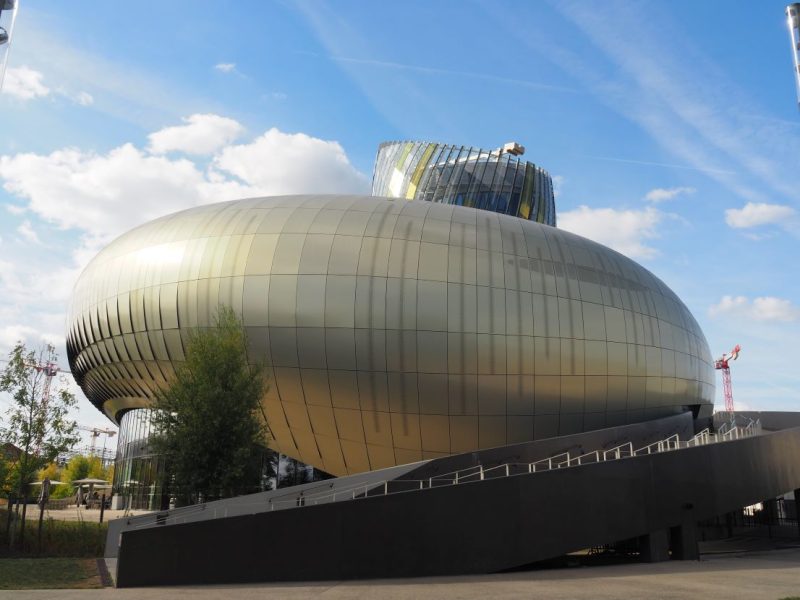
394,330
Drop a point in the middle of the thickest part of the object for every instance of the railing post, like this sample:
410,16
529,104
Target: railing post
481,467
430,482
506,469
385,488
455,480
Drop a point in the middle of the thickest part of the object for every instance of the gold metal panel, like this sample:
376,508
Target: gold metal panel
433,261
392,331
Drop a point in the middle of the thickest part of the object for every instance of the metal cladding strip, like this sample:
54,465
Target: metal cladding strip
481,527
393,331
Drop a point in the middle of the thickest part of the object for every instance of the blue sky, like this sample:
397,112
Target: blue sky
671,129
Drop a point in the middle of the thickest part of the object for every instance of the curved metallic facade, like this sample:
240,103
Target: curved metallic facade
466,176
393,330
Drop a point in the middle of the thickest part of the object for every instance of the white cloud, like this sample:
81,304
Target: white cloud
558,185
103,195
662,194
225,67
15,209
754,214
27,232
287,163
84,99
763,308
625,231
24,83
201,134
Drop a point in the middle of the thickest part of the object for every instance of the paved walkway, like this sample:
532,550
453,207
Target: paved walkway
771,575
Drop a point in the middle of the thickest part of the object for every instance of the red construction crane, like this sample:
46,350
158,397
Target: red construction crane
50,370
722,365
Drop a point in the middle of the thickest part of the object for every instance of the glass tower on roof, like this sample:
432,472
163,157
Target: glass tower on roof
496,180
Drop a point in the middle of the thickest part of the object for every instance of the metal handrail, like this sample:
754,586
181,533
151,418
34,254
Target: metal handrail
315,495
619,451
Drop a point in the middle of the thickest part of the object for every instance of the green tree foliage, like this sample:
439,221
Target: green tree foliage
209,423
78,467
36,422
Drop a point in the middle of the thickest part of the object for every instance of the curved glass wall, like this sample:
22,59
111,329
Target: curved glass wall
485,179
138,471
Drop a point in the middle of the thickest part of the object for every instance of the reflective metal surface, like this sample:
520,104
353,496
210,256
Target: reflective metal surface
492,180
393,330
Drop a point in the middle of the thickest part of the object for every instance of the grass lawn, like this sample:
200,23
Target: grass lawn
48,573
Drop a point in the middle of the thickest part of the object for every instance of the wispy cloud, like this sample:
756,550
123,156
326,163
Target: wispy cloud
425,70
650,163
225,67
663,194
113,87
649,71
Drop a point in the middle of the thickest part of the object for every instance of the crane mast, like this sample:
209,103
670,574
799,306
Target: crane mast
722,364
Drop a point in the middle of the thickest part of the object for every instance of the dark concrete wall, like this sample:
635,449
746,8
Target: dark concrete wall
469,528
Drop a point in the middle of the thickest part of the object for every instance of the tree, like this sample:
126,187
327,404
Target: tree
77,468
208,420
37,419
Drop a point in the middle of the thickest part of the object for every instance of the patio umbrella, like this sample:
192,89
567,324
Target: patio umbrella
90,482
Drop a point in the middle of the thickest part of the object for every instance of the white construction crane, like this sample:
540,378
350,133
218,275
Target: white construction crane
97,432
